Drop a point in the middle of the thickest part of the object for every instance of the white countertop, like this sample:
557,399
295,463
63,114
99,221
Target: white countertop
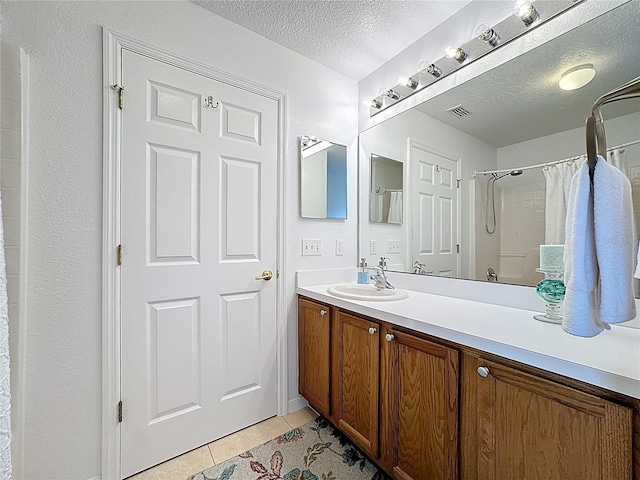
610,360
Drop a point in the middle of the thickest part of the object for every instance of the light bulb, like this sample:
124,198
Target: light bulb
430,68
527,12
408,82
376,103
458,54
488,35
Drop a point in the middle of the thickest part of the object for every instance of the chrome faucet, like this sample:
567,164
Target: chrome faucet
417,267
492,276
380,278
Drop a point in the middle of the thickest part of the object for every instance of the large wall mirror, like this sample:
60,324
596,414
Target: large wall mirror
512,119
323,179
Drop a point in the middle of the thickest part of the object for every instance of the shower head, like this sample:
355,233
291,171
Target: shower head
513,173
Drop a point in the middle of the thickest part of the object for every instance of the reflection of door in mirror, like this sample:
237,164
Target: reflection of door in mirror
434,198
386,190
323,179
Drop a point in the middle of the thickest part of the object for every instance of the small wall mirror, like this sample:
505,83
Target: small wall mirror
385,198
323,179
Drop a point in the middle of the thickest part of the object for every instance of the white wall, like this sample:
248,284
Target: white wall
64,41
389,139
569,144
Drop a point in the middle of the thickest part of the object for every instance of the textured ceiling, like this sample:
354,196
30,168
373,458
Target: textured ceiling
353,37
521,100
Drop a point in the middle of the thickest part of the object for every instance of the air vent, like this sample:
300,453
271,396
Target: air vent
460,111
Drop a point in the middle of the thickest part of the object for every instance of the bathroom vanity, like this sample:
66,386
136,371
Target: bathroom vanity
431,397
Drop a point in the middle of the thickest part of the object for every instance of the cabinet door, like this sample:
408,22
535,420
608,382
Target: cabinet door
421,408
314,333
532,428
358,380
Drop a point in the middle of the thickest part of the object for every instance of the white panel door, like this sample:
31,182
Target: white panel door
198,189
434,206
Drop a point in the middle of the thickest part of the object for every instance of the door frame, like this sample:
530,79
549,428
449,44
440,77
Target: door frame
113,46
412,142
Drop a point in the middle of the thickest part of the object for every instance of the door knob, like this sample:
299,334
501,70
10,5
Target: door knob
266,275
389,337
372,331
483,372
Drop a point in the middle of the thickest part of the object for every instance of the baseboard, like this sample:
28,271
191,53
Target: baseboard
297,403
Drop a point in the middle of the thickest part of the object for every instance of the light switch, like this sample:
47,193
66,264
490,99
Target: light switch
311,247
339,247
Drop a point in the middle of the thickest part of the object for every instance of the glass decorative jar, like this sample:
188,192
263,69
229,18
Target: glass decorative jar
551,290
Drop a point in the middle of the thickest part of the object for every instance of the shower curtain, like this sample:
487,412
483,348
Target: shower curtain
395,208
557,185
5,395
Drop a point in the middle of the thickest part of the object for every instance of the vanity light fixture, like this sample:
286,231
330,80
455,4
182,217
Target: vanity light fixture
509,28
430,68
458,54
577,77
408,82
487,35
527,12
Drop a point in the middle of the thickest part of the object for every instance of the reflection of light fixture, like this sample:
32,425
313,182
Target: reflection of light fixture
527,12
408,82
487,35
577,77
391,93
458,54
376,103
309,141
430,68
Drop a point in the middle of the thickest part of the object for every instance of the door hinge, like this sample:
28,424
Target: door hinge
120,90
458,248
458,183
119,254
120,411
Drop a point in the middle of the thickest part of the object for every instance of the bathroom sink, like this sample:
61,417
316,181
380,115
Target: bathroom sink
368,293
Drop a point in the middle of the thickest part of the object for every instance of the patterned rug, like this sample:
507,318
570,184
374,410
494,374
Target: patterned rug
314,451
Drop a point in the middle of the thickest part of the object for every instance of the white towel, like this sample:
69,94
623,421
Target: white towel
599,244
614,233
395,208
580,265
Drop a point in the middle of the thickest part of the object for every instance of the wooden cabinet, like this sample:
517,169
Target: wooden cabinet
314,354
531,428
426,409
358,379
420,408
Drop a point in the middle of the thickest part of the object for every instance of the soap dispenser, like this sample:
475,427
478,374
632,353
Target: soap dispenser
363,272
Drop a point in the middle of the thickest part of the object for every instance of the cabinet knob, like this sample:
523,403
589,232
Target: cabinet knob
372,331
389,337
323,312
483,372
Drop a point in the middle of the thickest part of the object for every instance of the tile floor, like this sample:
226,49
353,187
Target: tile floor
195,461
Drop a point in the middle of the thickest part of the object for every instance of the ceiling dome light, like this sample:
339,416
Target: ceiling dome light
577,77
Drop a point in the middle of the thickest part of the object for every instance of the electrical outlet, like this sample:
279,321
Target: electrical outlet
339,247
393,246
311,247
373,250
